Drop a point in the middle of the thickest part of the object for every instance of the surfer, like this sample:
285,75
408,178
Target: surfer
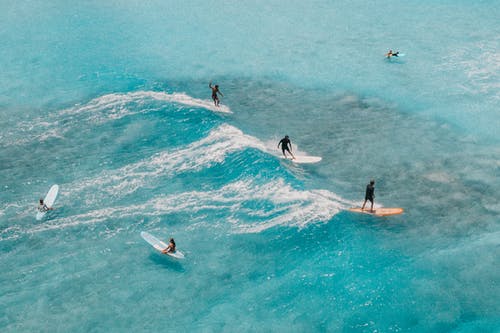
286,145
369,195
43,207
215,90
392,54
170,248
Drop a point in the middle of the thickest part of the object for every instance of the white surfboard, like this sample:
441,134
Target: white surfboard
159,245
208,104
303,159
49,200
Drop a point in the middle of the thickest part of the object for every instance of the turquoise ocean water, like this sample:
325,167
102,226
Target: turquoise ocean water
110,100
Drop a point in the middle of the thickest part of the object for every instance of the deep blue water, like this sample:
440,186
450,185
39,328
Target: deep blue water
111,102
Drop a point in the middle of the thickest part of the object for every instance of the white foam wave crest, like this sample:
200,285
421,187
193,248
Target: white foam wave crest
292,207
99,110
10,233
37,130
9,205
212,149
297,208
116,105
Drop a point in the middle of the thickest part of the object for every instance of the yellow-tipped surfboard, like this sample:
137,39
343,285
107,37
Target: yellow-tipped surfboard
382,211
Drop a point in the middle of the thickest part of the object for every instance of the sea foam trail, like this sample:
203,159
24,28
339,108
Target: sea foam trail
98,111
117,103
290,207
212,149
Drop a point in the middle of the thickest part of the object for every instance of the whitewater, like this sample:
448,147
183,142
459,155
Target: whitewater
111,102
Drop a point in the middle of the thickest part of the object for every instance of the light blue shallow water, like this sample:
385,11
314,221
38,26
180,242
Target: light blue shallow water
111,102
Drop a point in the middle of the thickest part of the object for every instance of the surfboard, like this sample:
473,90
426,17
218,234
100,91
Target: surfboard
381,211
303,159
159,245
49,200
208,104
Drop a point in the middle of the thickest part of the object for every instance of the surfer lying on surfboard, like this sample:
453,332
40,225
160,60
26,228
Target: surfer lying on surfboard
170,248
392,54
42,207
286,145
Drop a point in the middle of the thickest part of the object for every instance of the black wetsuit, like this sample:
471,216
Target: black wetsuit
215,90
284,144
370,189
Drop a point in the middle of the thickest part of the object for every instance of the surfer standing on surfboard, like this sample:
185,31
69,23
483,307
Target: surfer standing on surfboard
286,145
170,248
370,194
215,90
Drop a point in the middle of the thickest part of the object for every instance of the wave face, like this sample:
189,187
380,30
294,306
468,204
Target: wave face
112,103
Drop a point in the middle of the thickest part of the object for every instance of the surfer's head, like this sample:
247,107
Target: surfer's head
372,182
286,137
217,86
41,201
172,240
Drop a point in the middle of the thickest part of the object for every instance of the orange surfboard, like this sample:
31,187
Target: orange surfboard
382,211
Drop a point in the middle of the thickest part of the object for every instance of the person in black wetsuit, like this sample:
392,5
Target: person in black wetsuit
392,54
370,194
170,248
43,207
215,90
286,145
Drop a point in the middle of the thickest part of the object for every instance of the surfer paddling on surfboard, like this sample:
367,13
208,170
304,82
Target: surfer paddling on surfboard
370,194
170,248
286,145
392,54
215,91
